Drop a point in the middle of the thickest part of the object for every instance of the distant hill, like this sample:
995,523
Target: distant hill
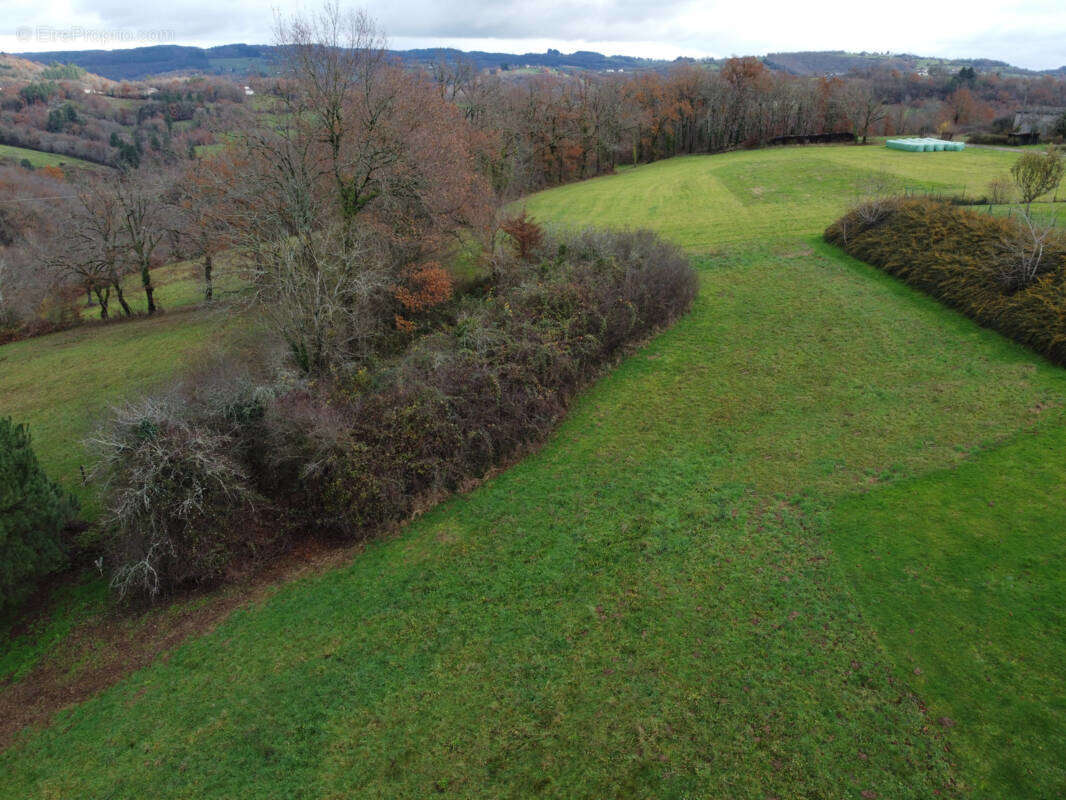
839,62
133,63
552,59
14,69
245,59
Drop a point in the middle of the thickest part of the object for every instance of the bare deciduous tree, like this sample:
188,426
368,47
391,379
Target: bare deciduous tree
1024,252
368,176
144,224
865,107
199,217
1036,174
91,253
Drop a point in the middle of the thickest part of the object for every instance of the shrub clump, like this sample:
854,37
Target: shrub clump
176,496
360,446
1007,274
33,514
474,393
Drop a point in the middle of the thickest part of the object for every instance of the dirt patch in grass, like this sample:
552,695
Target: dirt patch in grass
105,648
793,250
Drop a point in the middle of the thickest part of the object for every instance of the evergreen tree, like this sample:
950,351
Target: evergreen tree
33,512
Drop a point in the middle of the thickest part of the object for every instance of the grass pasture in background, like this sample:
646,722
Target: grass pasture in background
177,286
60,384
804,543
39,158
704,202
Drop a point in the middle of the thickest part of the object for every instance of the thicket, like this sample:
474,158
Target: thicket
240,448
1008,274
33,514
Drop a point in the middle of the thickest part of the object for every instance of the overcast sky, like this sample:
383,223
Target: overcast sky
1029,33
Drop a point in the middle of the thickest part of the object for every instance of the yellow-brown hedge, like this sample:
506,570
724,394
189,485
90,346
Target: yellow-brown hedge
951,253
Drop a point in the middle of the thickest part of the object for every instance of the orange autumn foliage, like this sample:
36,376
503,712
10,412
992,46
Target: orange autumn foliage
526,233
426,287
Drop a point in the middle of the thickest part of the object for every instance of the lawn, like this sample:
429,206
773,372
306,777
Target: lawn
805,543
961,574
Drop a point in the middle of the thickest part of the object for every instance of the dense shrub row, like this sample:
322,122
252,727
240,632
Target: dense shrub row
33,513
1002,272
190,476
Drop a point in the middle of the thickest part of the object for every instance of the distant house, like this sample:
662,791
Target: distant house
1032,124
248,91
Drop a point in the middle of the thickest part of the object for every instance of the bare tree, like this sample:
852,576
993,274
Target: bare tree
331,303
453,77
68,263
1000,191
144,224
91,253
367,176
865,107
338,61
1036,174
1023,253
199,217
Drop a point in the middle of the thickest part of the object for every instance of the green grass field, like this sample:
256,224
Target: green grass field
60,384
41,159
177,286
705,202
806,543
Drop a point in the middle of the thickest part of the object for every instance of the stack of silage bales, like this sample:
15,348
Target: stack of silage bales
923,145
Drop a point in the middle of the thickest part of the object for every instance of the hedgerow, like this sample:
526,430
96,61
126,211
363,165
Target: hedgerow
1006,274
354,449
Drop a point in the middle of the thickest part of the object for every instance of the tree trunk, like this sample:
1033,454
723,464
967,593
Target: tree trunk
117,286
149,290
102,296
209,288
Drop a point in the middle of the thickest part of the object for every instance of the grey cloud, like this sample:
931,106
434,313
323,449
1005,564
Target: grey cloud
1034,50
505,19
1035,40
587,19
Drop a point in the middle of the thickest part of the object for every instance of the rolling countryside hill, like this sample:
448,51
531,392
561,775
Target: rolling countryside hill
242,59
793,546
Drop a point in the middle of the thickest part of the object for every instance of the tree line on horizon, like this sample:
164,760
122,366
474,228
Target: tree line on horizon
517,135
